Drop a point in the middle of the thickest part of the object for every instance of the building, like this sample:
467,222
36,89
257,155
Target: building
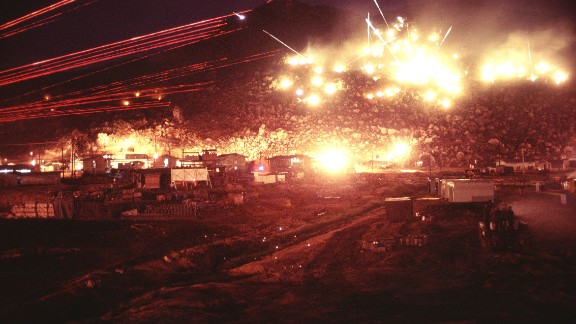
232,162
165,161
292,165
467,190
96,164
131,161
156,178
527,165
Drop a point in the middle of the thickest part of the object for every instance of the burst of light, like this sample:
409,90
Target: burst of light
299,60
333,160
370,96
313,100
137,94
339,68
299,92
318,70
369,69
389,92
330,88
285,83
125,102
398,152
429,96
446,103
317,81
560,77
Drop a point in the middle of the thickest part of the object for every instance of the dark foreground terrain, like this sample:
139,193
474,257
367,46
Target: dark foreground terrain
295,253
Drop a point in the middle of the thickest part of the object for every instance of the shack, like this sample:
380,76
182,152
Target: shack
232,162
467,190
266,177
293,165
158,178
190,176
96,164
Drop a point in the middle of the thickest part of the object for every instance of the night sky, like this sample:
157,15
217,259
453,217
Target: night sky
86,24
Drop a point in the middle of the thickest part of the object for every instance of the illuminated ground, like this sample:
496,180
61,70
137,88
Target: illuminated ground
292,253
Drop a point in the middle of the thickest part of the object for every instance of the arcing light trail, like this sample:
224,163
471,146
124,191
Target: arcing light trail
187,34
91,110
35,14
103,53
123,95
37,18
43,89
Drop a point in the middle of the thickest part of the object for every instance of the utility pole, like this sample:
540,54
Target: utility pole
523,163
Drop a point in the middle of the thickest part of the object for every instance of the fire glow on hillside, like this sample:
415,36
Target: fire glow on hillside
400,57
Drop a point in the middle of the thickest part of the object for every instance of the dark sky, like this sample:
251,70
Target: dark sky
105,21
101,22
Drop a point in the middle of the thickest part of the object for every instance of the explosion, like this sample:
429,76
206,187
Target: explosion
518,59
399,59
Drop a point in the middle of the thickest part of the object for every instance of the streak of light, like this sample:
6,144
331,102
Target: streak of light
115,108
35,14
187,34
97,96
532,76
381,13
443,39
26,22
281,42
382,39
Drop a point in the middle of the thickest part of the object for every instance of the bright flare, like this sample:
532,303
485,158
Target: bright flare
333,160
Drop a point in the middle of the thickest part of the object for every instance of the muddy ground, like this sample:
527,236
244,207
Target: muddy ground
295,253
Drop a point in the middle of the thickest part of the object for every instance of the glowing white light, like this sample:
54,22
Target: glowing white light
446,103
560,77
330,88
429,96
313,100
339,68
317,81
399,152
333,160
285,83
